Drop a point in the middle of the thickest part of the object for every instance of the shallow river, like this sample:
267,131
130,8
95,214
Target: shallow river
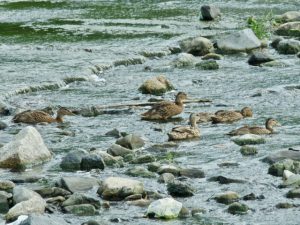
44,42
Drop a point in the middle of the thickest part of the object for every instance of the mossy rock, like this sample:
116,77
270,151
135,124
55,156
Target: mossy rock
237,208
227,197
156,86
247,150
208,65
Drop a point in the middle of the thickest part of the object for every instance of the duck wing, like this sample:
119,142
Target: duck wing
240,131
259,130
34,116
161,110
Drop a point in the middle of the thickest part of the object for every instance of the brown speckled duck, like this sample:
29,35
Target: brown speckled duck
224,116
204,117
270,123
39,116
185,132
166,109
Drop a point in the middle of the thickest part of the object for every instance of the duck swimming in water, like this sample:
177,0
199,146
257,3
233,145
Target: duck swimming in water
224,116
270,123
186,132
39,116
166,109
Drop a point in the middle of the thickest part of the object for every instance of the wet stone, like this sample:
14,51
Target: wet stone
166,208
248,139
72,161
92,161
227,197
213,56
237,208
53,192
2,125
4,203
38,219
192,173
258,58
169,169
78,199
81,210
6,185
166,178
294,193
131,141
208,65
118,150
210,12
114,133
278,168
247,150
78,184
143,159
198,211
179,189
284,205
252,196
139,171
91,222
281,155
225,180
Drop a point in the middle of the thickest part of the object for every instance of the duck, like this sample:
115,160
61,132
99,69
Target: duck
224,116
185,132
270,123
204,117
39,116
166,109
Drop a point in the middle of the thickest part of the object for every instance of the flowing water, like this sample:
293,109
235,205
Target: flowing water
45,43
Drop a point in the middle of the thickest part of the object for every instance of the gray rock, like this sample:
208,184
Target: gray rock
281,155
6,185
289,29
237,208
227,197
26,149
285,205
4,110
288,47
78,199
179,189
139,171
169,169
4,204
81,210
276,41
156,86
210,12
133,197
166,208
2,125
192,172
37,219
114,133
118,188
258,58
117,150
92,161
92,222
78,184
166,178
213,56
248,139
131,141
226,180
108,159
198,46
277,168
51,192
184,60
153,167
247,150
291,181
290,16
208,65
294,193
26,202
143,159
240,41
72,161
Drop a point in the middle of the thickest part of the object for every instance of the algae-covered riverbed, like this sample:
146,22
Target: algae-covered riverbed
82,54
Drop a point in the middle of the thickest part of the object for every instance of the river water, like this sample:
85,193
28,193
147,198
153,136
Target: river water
44,42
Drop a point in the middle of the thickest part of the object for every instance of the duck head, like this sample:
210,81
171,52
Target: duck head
247,112
180,97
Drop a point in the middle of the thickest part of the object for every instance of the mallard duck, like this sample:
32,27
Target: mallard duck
204,117
270,123
224,116
39,116
166,109
185,132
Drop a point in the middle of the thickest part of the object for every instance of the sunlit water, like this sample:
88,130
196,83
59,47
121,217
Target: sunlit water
44,42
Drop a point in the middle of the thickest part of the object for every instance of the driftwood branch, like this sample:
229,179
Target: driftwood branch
99,107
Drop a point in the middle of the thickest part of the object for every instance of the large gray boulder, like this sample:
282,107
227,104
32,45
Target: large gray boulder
38,219
289,29
290,16
288,47
26,202
131,141
118,188
198,46
258,58
72,161
118,150
166,208
26,149
210,12
78,184
78,199
240,41
156,85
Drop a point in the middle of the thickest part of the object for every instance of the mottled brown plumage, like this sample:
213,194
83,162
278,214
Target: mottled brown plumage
224,116
270,123
204,117
38,116
166,109
185,132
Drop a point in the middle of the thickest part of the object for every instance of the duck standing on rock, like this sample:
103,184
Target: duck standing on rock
38,116
186,132
224,116
270,123
166,109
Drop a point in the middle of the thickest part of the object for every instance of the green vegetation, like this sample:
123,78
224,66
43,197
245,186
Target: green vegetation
262,27
33,4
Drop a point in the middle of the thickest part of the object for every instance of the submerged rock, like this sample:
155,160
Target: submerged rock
143,159
169,169
72,161
247,150
2,125
92,161
289,29
192,172
198,46
213,56
238,208
284,205
166,208
258,58
184,60
38,219
26,149
156,86
53,192
81,210
227,197
4,202
179,189
139,171
118,188
294,193
108,159
240,41
248,139
118,150
277,168
281,155
131,141
166,178
208,65
78,199
210,12
288,47
225,180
